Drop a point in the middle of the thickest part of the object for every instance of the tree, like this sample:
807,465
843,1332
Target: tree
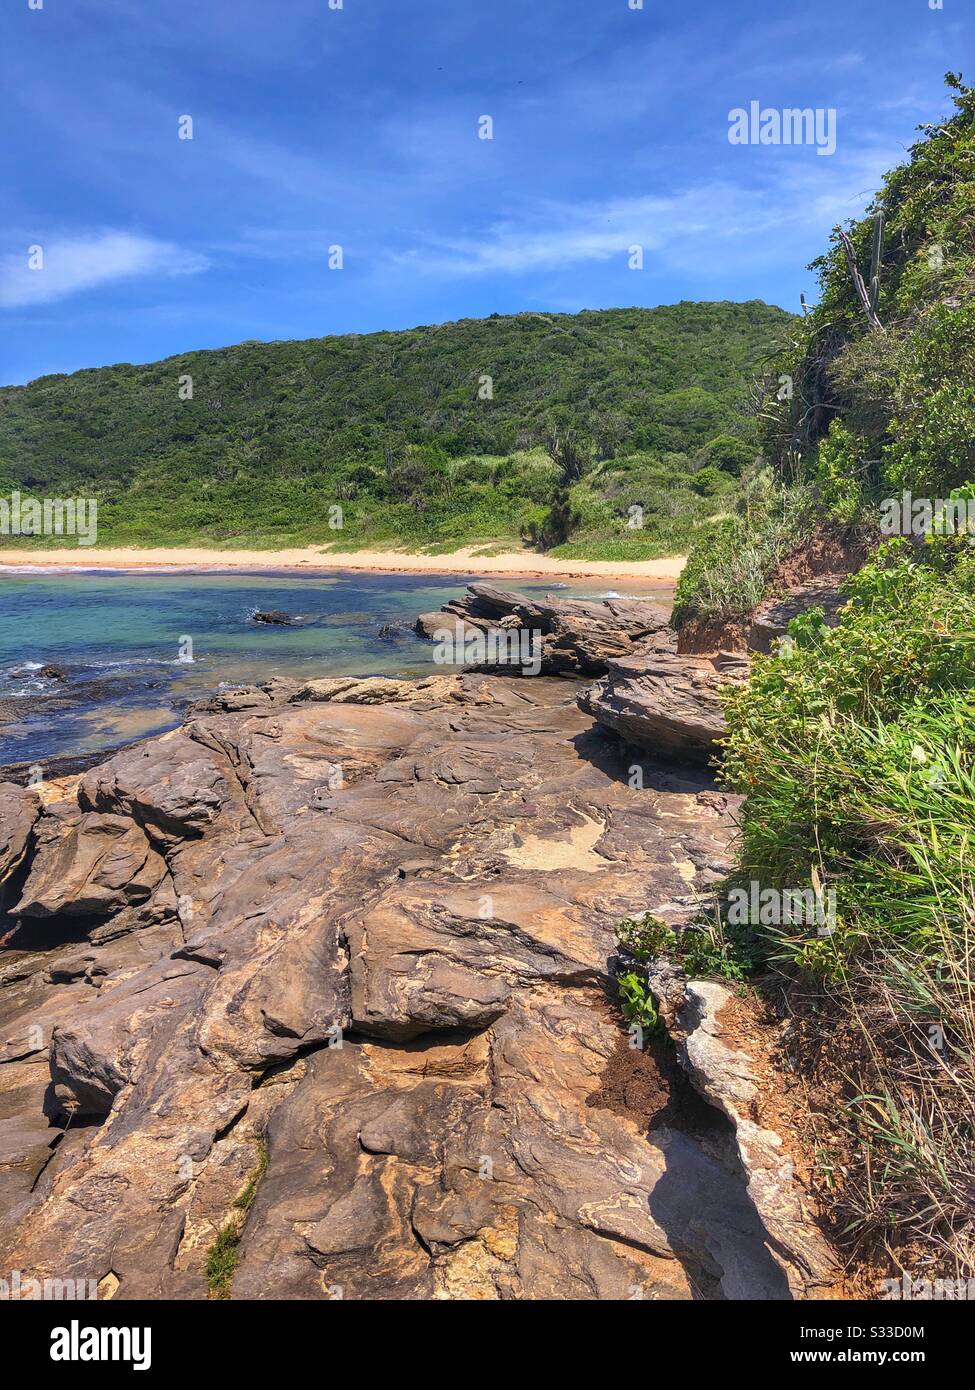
730,454
570,450
708,481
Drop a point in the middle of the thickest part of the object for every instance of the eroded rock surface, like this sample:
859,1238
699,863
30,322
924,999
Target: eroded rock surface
575,637
365,929
19,809
728,1077
664,702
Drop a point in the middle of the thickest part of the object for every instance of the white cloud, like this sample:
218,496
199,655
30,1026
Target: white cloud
708,228
73,264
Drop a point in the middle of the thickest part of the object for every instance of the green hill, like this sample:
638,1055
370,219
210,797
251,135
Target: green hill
583,417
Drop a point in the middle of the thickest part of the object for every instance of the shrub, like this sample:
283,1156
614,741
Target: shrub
708,481
855,750
704,950
730,454
728,569
637,1001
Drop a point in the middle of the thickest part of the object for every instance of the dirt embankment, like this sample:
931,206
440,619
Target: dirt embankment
819,564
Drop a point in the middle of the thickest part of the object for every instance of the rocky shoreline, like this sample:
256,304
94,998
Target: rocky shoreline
350,945
650,694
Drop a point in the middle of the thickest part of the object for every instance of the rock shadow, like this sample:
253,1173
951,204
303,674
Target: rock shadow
616,760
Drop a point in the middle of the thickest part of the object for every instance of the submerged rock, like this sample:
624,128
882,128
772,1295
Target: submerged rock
273,617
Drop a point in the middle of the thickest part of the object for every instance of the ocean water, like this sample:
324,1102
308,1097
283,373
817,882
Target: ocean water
119,636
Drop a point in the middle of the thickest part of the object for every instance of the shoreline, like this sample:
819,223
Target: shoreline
522,564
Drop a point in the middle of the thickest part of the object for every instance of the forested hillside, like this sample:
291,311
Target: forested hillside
549,426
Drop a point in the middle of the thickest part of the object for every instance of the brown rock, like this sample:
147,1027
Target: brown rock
379,946
171,786
576,637
664,702
94,867
19,809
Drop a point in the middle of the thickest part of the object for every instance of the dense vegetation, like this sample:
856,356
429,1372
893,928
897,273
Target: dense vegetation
855,413
855,747
547,427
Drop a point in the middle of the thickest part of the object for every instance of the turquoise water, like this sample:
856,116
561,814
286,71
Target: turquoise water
118,635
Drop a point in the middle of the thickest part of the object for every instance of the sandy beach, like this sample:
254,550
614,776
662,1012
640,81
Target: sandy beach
524,563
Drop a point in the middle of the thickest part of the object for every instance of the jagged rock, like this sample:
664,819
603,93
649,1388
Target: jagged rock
277,690
281,688
664,702
19,809
160,910
170,786
726,1076
96,866
106,1045
421,966
80,967
583,646
575,637
81,1077
241,697
487,602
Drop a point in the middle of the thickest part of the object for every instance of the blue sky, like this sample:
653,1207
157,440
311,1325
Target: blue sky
358,127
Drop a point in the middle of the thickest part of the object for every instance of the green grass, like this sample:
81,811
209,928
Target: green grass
222,1262
855,750
731,561
224,1253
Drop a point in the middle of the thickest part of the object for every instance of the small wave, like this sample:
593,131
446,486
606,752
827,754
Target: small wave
30,687
22,680
127,662
62,569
